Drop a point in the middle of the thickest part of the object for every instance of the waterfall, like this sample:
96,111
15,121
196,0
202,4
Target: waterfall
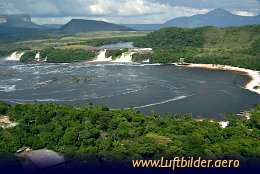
15,56
102,57
125,57
37,57
146,61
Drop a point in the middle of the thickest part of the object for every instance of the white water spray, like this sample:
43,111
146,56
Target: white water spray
15,56
102,57
125,57
37,57
146,61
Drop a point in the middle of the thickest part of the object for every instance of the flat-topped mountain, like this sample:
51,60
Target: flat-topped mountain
18,21
81,25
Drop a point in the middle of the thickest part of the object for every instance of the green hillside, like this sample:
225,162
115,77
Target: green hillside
237,46
101,135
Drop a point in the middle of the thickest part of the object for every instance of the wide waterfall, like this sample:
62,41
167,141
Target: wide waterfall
125,57
15,56
102,56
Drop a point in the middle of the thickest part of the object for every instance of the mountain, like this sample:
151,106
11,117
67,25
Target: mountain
218,17
52,26
18,21
144,27
81,25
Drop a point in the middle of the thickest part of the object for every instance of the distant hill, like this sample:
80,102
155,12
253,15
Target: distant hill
52,26
218,17
18,21
81,25
144,27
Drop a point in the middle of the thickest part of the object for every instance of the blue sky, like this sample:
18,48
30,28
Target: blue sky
123,11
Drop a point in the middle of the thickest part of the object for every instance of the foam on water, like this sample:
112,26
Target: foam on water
7,88
163,102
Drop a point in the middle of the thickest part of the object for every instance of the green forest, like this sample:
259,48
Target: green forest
86,133
236,46
104,41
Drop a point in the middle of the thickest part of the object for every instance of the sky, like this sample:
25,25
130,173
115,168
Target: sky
122,11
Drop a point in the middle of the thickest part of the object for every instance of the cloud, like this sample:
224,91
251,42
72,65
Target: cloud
158,16
122,11
243,13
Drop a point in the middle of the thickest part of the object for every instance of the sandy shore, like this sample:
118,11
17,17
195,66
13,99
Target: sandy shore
255,76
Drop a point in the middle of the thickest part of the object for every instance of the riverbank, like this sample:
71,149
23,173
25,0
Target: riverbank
254,83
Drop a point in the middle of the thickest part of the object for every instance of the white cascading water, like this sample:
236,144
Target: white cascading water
125,57
146,61
102,57
15,56
37,56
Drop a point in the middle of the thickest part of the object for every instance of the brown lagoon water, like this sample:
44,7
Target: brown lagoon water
163,88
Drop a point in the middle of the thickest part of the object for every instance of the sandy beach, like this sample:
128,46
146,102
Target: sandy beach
254,75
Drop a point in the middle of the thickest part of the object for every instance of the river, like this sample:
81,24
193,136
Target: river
163,88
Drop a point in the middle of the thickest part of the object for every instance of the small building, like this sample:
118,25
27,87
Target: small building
43,159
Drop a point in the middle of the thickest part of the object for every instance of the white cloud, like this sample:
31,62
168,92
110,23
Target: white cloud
103,7
243,13
8,8
142,7
119,11
136,11
43,8
134,18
